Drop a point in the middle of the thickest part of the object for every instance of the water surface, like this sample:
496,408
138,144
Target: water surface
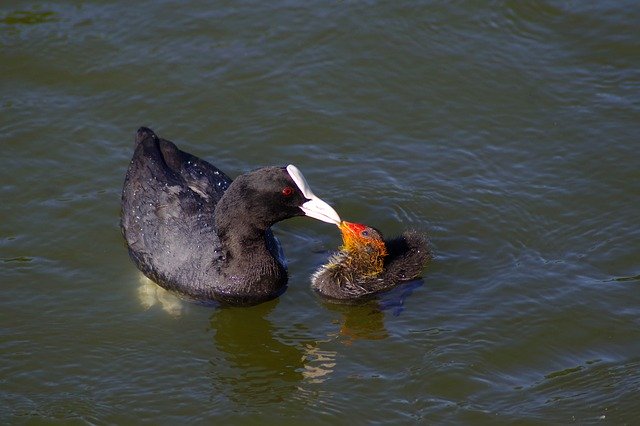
507,131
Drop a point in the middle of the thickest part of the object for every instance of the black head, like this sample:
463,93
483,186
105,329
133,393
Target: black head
271,194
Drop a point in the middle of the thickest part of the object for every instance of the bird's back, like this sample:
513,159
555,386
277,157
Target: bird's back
168,205
407,256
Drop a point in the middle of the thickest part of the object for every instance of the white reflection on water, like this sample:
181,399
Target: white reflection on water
151,294
318,363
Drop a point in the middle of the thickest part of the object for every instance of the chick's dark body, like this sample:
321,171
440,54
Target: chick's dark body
346,278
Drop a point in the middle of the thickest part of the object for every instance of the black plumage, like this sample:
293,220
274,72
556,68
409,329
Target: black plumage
193,230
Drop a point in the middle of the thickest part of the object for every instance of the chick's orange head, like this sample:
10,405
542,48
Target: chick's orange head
356,236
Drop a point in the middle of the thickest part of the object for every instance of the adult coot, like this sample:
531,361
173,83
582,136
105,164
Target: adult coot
193,230
366,264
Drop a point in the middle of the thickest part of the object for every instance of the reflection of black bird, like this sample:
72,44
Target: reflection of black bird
193,230
367,264
259,367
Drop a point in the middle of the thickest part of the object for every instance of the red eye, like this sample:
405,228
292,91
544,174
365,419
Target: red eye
287,191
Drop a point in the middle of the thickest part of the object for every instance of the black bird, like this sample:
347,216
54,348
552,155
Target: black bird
366,264
193,230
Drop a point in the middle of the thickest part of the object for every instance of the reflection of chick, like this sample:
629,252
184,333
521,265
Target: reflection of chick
364,322
367,264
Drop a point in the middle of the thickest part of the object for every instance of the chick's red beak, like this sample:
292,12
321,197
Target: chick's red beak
351,228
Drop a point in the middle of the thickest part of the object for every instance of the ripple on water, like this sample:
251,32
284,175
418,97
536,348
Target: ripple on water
507,133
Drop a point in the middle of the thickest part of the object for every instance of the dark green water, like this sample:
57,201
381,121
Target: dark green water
507,130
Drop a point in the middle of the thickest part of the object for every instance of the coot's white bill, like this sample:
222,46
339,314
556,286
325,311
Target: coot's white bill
315,207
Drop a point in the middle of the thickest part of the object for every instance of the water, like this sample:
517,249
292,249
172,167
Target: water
508,131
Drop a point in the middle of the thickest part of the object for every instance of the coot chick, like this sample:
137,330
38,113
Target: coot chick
367,264
193,230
